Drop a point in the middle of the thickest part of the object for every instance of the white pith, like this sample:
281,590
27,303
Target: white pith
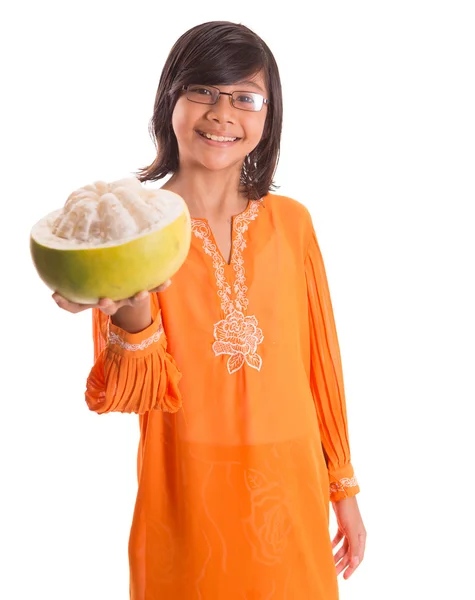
102,215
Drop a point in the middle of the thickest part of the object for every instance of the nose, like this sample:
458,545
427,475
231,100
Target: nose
222,111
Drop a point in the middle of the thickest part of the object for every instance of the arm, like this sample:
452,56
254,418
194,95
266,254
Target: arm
132,372
326,376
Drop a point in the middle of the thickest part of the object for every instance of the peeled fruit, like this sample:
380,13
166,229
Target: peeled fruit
111,240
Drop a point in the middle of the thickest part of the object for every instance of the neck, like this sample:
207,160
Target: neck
210,195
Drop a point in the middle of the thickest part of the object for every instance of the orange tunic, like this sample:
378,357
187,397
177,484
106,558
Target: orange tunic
244,439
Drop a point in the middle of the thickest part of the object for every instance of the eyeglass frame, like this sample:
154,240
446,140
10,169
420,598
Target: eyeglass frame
230,94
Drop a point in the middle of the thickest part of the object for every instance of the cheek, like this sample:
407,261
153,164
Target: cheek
255,128
184,118
179,121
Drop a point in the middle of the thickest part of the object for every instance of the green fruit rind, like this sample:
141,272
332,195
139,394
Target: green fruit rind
85,275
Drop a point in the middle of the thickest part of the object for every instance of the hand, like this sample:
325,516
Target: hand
353,532
106,305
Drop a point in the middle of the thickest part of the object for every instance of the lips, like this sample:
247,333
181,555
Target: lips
217,137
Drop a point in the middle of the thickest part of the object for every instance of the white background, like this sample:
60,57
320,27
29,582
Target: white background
379,143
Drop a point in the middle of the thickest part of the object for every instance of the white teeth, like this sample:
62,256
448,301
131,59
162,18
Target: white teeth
218,138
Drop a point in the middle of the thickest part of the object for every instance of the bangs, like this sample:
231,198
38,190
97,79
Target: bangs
218,53
224,64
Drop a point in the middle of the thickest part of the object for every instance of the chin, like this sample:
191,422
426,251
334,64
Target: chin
221,165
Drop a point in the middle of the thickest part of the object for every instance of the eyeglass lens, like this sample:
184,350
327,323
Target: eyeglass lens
204,94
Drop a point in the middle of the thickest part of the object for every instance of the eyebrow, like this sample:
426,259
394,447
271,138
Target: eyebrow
252,83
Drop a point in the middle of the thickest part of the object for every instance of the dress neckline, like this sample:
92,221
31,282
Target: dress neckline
243,213
239,222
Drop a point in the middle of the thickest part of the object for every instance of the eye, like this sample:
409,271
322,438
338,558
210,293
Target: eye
245,99
202,91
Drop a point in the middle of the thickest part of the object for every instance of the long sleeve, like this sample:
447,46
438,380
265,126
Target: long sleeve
326,377
132,372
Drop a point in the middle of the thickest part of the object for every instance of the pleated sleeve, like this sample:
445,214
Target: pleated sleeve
326,376
132,372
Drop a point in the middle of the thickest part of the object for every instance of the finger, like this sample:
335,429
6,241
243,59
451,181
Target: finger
356,556
353,565
342,565
108,306
337,539
362,545
163,286
139,299
341,552
72,307
357,546
141,296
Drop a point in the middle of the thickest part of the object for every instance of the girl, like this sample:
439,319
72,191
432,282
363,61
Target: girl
234,369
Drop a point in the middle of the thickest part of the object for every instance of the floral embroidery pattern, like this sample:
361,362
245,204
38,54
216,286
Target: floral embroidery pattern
346,482
116,339
236,335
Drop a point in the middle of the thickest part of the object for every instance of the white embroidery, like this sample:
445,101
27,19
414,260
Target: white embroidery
346,482
237,335
201,230
114,338
241,224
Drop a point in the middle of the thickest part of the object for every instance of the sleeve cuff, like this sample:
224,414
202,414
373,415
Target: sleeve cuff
148,381
135,345
343,483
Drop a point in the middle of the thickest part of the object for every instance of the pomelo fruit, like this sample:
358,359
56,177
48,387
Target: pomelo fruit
111,240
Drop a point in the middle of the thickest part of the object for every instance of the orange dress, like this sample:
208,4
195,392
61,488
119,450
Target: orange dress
243,430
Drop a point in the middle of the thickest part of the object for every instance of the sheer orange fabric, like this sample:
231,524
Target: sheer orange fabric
244,438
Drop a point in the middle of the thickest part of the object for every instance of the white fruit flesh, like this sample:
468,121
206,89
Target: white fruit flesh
111,240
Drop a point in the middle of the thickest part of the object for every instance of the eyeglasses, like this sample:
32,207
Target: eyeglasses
208,94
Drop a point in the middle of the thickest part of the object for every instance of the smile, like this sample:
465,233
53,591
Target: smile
217,138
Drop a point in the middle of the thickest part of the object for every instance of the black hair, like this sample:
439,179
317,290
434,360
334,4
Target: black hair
218,53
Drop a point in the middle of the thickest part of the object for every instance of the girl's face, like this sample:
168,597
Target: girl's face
192,121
